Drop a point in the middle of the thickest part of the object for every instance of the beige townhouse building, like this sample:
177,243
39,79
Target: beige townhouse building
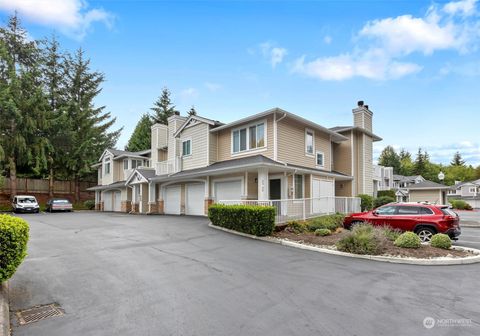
271,158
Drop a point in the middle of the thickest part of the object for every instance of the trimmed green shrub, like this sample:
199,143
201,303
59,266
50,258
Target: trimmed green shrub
363,239
391,234
460,205
323,232
13,244
89,204
389,193
251,219
378,202
297,226
408,240
441,240
366,202
330,222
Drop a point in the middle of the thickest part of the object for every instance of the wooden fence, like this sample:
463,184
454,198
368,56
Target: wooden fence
26,185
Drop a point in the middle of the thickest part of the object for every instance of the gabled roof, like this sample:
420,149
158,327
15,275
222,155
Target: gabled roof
335,136
427,185
117,154
145,174
356,128
114,185
402,178
199,118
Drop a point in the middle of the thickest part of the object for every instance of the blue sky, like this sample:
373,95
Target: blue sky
416,63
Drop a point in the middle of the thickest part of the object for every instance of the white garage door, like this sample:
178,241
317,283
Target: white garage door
195,198
117,201
320,190
228,190
107,201
172,200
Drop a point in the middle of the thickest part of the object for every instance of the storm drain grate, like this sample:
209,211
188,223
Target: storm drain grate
38,313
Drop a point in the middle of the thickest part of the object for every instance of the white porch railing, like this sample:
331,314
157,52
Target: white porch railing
301,209
168,166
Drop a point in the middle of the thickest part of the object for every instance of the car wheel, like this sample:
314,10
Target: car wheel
425,234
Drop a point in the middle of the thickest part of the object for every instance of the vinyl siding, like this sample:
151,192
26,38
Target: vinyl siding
343,188
425,195
368,165
225,142
291,145
213,147
342,156
198,134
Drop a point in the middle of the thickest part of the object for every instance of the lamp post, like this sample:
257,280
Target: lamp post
441,176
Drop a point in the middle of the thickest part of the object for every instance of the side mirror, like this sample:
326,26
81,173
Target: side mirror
375,213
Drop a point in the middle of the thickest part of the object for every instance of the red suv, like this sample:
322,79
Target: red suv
423,219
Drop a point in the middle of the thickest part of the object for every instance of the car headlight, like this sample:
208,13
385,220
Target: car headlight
36,206
19,206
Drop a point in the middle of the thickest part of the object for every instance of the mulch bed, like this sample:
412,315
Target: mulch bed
424,252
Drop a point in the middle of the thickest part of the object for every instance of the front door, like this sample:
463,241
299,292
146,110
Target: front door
275,189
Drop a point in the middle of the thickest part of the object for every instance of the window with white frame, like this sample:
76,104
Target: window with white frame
186,147
249,137
125,164
298,180
473,190
136,163
320,159
107,166
309,141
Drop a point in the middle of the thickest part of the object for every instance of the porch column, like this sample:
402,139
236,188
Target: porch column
152,204
135,207
263,184
97,200
208,199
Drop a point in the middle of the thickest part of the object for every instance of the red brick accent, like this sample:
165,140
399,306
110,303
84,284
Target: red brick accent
152,208
160,207
135,207
102,206
208,202
97,206
126,206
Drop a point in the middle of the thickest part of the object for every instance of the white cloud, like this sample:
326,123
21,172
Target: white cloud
189,93
71,17
274,54
468,69
327,39
212,87
381,45
465,7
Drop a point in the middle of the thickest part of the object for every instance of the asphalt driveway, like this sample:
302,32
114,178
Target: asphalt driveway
120,275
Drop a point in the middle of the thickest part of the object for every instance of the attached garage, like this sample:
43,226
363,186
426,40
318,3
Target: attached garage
323,192
195,199
228,190
112,200
107,201
172,200
117,200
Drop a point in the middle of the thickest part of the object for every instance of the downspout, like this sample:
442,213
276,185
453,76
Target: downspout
275,136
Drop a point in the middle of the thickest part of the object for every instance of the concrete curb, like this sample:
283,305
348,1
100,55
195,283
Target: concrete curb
4,310
396,260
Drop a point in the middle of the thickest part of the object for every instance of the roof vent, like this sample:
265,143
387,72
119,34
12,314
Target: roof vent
360,103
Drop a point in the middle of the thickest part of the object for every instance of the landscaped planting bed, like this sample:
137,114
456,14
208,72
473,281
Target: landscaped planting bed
364,239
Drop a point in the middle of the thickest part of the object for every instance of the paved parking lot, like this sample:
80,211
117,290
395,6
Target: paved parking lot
118,274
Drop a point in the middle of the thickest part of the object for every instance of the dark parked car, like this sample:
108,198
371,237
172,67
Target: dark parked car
423,219
25,203
58,204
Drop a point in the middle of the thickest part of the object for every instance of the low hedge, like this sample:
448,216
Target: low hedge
251,219
14,233
89,204
441,240
460,205
408,240
366,202
330,222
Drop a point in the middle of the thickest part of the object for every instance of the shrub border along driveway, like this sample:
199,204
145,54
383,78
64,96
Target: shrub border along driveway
397,260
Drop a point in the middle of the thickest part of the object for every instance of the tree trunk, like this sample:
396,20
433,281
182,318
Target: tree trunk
50,183
12,166
77,190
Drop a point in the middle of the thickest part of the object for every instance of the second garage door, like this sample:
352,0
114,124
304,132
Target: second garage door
172,200
117,201
195,196
228,190
107,201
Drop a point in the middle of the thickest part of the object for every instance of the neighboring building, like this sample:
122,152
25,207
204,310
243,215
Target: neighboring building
382,178
467,191
427,191
402,183
273,155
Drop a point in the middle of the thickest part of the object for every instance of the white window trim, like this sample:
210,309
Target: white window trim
308,130
107,161
472,190
128,164
294,187
250,150
191,148
323,159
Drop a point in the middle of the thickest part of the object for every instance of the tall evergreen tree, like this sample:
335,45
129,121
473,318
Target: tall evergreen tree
163,108
421,162
390,158
192,111
89,126
457,160
141,137
22,102
406,164
53,70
